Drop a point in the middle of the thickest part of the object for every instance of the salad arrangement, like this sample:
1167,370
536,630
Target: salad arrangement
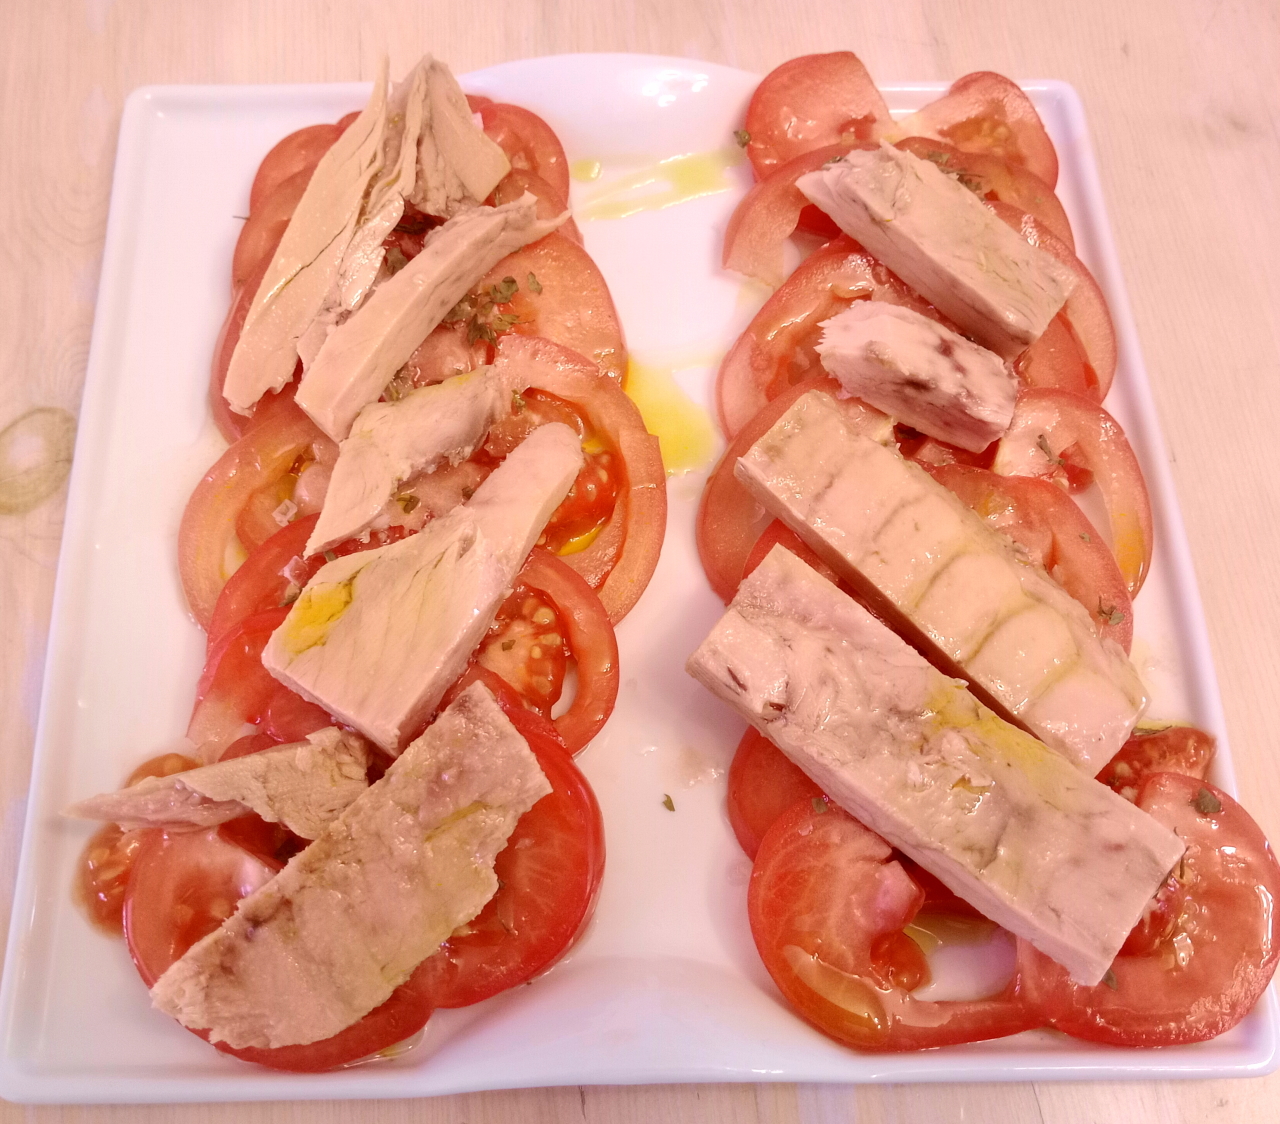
541,326
841,920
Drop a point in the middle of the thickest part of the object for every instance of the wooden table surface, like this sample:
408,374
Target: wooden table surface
1184,108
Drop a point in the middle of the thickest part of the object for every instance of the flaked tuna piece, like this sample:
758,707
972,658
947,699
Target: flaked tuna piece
920,372
1002,820
458,166
360,356
962,591
435,156
393,441
377,637
348,919
303,785
309,259
942,241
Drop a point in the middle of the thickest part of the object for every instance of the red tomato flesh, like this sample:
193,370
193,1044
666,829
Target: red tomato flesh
763,783
810,102
1175,749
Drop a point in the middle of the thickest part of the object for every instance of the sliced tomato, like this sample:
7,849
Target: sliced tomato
985,112
551,204
584,631
1086,308
810,102
778,533
298,153
1057,536
990,177
234,688
1056,359
567,301
1053,431
763,784
827,905
529,142
264,579
730,522
1212,949
1175,749
768,215
262,456
777,349
184,885
548,878
621,559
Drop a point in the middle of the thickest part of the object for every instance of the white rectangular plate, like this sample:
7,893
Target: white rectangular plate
666,986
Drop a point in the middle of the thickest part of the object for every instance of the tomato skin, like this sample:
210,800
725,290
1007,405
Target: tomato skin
827,905
297,153
263,455
621,560
1056,359
590,638
1057,536
763,784
1086,309
1049,423
778,533
986,113
529,142
548,875
1175,749
551,204
809,102
769,214
260,236
1202,978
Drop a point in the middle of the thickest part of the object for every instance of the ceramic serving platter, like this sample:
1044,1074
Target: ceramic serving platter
666,985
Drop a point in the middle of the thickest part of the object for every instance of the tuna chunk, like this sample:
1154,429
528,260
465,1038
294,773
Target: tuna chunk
346,921
1007,824
304,786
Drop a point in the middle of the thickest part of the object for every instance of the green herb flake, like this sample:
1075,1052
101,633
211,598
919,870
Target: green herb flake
668,803
329,556
504,290
1086,536
1110,980
407,502
1042,443
517,401
460,311
1110,613
507,645
1206,803
535,286
819,805
742,137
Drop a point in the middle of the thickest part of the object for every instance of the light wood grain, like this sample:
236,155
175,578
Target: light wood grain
1185,119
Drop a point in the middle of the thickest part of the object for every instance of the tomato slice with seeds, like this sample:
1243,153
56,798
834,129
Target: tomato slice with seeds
529,142
552,614
1175,749
828,904
985,112
1207,948
810,102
